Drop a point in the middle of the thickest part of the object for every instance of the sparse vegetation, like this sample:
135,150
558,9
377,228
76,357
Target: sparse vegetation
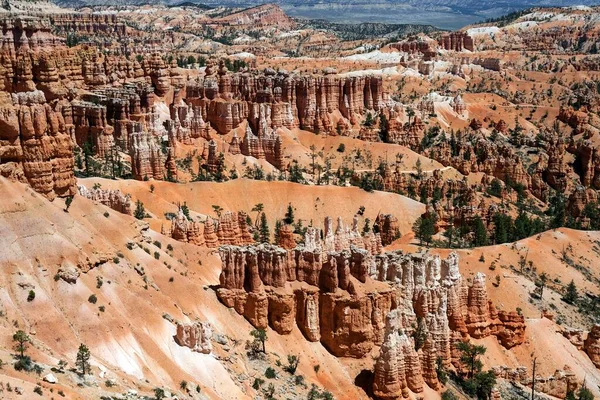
83,359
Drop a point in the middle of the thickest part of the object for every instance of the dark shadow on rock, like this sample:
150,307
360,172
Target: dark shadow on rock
364,380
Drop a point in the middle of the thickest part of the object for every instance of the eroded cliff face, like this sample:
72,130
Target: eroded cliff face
270,100
35,145
591,345
230,228
558,384
106,103
353,301
114,199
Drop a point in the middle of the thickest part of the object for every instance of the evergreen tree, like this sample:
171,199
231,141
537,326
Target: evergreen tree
140,211
368,120
258,209
83,359
557,210
68,202
592,211
502,228
522,226
481,238
264,234
419,168
260,335
495,188
384,129
22,341
186,211
220,170
289,215
277,233
424,228
571,294
585,393
367,226
469,356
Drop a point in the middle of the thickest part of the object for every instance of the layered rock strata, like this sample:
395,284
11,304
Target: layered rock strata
114,199
230,228
344,298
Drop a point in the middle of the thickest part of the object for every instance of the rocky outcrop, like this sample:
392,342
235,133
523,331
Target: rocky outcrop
114,199
388,228
229,229
147,161
35,144
456,41
343,237
185,230
556,385
272,100
458,105
591,345
398,368
575,336
286,237
196,336
343,298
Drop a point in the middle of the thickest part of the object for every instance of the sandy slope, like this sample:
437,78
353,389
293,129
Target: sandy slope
543,336
134,342
311,202
130,339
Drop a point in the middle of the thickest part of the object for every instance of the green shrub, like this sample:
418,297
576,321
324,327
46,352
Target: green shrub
93,299
257,383
270,373
24,364
31,296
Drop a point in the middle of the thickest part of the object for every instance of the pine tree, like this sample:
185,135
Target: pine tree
368,120
481,238
140,211
68,202
220,170
469,356
258,209
419,168
289,215
384,128
264,229
261,336
424,228
277,233
503,227
367,226
21,340
570,293
83,359
185,210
